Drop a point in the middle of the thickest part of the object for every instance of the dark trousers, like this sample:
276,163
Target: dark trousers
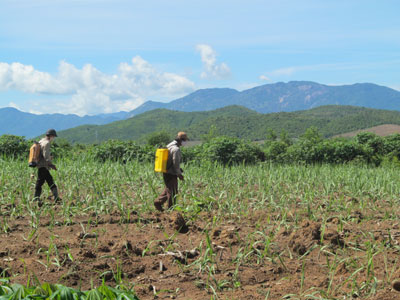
43,175
170,191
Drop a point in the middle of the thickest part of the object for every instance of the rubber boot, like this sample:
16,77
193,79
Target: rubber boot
54,190
158,206
36,198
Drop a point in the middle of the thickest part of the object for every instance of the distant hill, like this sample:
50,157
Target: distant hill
138,127
236,121
277,97
200,100
13,121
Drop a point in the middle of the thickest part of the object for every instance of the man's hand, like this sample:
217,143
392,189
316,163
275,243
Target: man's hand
181,177
53,167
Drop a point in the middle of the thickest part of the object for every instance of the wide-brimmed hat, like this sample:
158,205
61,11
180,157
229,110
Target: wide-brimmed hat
182,136
51,132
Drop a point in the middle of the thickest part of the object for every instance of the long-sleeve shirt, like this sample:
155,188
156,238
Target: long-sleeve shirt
174,159
44,157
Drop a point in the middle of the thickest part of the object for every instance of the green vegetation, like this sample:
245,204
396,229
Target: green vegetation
235,121
139,127
159,139
57,291
311,218
270,204
309,148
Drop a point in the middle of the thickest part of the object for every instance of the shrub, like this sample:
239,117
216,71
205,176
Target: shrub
276,150
61,147
122,151
13,146
392,144
364,137
228,151
192,154
159,139
345,151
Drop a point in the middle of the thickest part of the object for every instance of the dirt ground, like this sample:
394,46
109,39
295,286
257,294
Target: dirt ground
167,257
381,130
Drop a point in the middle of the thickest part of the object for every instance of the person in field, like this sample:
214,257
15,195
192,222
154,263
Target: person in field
174,172
44,165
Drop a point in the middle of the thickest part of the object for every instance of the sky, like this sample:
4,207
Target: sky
88,57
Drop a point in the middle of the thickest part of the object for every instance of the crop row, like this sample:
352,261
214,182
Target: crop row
292,218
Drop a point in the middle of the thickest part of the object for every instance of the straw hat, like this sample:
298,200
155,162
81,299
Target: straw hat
182,136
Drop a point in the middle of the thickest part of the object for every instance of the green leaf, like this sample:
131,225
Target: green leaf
94,295
45,289
19,292
107,292
66,293
4,290
127,296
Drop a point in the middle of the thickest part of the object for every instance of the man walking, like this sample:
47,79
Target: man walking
174,172
44,165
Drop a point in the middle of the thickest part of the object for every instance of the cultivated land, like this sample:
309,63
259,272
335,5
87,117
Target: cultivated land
381,130
249,232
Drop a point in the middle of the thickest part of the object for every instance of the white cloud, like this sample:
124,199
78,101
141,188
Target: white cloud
395,87
284,71
90,91
212,70
344,66
264,78
26,79
14,105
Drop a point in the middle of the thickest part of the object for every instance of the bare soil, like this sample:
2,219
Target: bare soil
165,256
381,130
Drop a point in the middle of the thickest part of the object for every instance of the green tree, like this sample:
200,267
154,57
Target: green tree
311,135
229,151
13,146
212,133
159,139
271,135
285,138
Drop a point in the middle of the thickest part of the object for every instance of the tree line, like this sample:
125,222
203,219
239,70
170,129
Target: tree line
309,148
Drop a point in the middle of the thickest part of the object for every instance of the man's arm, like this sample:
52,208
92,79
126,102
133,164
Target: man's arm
176,162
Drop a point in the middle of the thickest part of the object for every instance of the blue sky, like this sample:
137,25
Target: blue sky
102,56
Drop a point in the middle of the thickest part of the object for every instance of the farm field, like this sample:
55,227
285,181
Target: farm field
381,130
266,231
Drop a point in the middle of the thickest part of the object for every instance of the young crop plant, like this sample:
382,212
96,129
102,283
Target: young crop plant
48,291
266,204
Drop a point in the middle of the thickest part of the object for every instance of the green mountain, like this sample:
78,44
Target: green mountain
235,121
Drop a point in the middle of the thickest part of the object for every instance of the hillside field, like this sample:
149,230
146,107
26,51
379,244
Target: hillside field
265,231
381,130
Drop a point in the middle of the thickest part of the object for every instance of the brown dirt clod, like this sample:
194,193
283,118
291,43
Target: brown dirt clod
305,237
396,285
178,222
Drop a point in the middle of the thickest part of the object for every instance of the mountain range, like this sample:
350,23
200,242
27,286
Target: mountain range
268,98
13,121
277,97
